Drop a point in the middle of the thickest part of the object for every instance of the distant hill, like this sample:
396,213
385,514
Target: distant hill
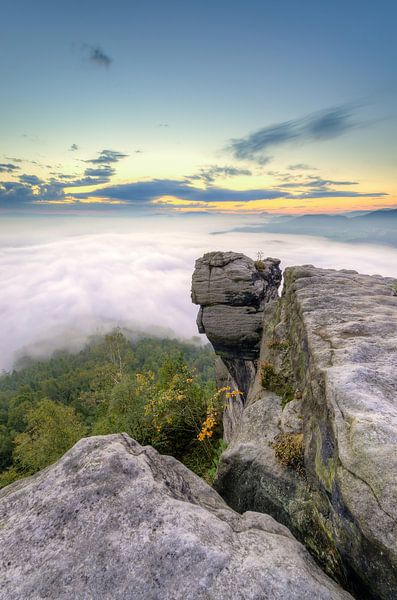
378,227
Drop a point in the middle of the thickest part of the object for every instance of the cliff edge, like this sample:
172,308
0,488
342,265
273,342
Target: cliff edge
314,442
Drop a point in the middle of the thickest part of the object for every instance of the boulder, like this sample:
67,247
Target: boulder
118,521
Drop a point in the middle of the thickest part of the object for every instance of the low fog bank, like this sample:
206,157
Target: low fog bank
60,283
375,227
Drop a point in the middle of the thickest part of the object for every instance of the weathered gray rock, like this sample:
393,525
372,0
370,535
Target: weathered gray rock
232,292
113,520
327,374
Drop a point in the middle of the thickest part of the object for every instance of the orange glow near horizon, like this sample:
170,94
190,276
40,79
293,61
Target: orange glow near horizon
278,206
285,206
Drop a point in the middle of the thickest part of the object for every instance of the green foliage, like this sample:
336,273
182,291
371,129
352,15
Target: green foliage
51,430
18,407
289,451
9,476
275,382
160,392
6,447
210,475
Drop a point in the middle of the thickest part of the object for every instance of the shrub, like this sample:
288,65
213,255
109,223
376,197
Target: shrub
9,476
259,263
209,476
276,383
289,451
52,430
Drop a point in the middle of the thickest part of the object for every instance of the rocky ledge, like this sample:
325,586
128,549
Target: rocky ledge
314,442
113,520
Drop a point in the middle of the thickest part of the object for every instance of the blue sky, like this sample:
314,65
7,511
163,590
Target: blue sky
177,89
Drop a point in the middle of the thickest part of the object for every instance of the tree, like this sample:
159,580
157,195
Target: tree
5,448
51,430
18,408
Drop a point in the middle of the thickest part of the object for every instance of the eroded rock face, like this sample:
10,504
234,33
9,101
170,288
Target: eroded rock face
327,376
232,291
113,520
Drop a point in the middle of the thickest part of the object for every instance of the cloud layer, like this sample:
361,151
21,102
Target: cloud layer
135,273
147,191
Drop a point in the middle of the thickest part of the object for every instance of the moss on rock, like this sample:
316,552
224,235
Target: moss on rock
276,382
289,451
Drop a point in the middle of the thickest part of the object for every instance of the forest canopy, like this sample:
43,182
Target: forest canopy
160,391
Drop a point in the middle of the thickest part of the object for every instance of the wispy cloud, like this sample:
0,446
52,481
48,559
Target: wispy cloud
315,182
30,179
8,168
301,167
14,160
104,171
319,126
107,157
93,176
327,193
30,189
73,148
209,174
97,56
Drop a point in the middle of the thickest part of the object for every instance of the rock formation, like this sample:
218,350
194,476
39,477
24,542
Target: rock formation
314,442
112,520
232,292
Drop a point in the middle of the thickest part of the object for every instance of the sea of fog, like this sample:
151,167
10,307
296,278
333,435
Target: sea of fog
65,278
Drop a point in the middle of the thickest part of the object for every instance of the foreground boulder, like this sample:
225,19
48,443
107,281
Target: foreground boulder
314,443
113,520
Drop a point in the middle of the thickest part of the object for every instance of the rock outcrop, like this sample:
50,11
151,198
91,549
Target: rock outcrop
117,521
315,442
232,291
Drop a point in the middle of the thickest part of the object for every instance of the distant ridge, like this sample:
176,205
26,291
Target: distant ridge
376,227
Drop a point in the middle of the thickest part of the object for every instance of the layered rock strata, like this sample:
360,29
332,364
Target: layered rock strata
112,520
315,443
232,291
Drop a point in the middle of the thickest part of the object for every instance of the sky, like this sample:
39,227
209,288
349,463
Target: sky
130,132
145,108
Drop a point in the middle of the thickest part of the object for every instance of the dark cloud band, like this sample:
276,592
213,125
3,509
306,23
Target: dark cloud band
318,126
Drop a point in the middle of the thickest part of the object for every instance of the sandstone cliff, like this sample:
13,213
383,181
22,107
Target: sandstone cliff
314,441
112,520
